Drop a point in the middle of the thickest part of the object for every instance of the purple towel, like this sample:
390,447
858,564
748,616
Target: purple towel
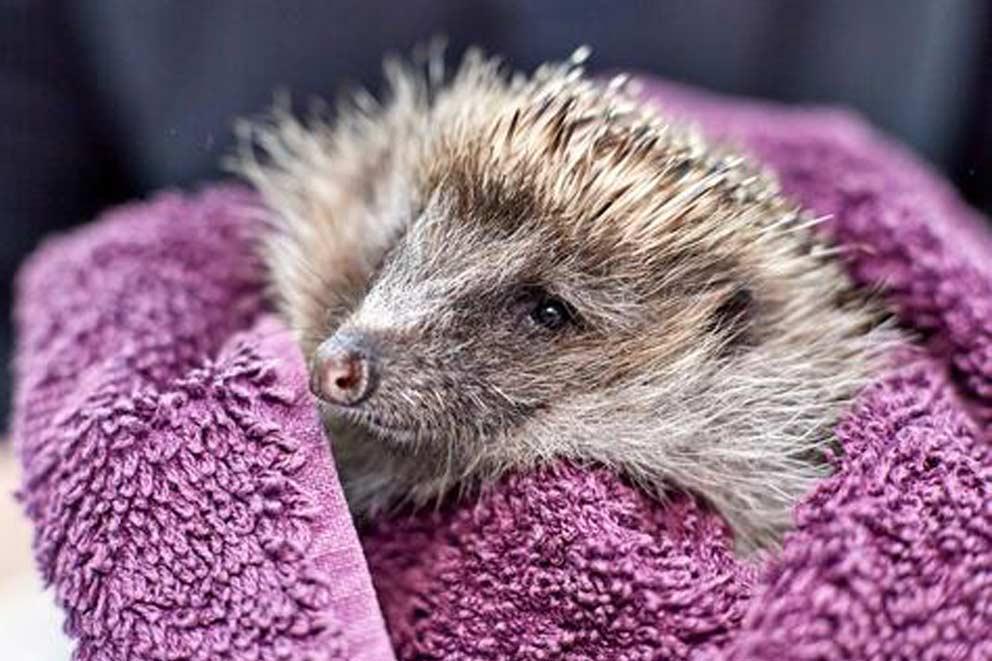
186,505
183,493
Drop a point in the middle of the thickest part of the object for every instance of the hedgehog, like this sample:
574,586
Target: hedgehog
490,271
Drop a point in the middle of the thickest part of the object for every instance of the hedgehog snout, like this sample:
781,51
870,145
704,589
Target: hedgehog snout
343,371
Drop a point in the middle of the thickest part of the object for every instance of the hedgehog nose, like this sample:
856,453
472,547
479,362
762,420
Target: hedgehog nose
342,371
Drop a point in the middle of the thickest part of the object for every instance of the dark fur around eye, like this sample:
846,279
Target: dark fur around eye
543,309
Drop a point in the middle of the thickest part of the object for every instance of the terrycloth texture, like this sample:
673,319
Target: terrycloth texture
184,495
186,507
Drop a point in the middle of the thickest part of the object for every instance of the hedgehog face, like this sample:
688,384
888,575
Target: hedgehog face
475,335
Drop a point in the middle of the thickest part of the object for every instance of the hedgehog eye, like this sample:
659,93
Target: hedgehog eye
551,313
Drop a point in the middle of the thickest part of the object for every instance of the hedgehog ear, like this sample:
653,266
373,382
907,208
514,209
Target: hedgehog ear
733,318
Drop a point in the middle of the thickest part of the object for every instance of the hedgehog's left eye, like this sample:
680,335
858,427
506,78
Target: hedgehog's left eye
551,313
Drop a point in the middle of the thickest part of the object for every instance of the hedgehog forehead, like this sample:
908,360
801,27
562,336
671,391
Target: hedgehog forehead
495,207
447,245
506,234
560,174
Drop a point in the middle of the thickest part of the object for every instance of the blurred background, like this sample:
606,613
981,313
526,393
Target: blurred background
105,101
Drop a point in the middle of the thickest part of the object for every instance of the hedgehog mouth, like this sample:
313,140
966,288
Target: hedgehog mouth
390,435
